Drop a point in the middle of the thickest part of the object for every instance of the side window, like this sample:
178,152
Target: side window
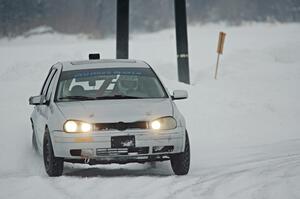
47,82
50,87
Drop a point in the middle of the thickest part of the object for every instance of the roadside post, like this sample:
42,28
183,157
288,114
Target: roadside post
220,50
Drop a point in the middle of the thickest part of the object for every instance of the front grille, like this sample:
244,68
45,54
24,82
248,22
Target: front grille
121,126
122,151
108,151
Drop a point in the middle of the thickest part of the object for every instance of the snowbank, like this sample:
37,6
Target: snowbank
244,127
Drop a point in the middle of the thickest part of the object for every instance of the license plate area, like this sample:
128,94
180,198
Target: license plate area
123,141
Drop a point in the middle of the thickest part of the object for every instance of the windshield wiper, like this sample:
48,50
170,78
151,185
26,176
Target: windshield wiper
118,97
77,97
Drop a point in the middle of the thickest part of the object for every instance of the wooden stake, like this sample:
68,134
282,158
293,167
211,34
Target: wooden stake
220,50
217,66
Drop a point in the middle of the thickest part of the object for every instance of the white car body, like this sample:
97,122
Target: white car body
96,146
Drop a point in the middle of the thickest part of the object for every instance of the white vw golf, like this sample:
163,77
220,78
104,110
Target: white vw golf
108,111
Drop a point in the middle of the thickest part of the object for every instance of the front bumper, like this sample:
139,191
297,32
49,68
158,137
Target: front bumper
97,145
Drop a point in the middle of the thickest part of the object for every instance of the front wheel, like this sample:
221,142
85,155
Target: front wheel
33,140
181,162
54,166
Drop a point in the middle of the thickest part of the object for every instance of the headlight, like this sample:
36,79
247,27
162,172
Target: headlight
164,123
73,126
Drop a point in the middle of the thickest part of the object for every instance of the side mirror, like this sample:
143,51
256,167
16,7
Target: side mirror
179,94
37,100
92,82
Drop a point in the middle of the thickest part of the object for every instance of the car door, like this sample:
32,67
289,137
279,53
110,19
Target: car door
42,109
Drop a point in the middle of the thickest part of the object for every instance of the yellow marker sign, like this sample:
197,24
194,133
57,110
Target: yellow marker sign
221,42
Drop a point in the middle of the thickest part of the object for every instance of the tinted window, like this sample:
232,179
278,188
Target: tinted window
109,82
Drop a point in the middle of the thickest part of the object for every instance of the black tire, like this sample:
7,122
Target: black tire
54,166
181,162
33,141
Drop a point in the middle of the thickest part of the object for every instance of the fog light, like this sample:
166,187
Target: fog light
162,149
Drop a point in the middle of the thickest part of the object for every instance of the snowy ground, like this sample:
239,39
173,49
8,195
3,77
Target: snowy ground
244,128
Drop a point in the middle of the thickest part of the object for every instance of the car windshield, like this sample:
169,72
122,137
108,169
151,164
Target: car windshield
109,83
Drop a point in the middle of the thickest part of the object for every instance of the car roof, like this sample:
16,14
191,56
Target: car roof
103,63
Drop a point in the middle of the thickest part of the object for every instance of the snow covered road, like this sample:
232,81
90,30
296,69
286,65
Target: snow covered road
244,127
259,175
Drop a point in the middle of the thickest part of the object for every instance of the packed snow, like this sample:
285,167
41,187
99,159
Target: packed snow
244,127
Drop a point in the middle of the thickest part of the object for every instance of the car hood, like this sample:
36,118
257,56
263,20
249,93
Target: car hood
131,110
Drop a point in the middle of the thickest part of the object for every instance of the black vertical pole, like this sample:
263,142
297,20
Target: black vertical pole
182,41
122,28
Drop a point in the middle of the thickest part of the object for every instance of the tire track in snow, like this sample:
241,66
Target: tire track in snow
210,183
